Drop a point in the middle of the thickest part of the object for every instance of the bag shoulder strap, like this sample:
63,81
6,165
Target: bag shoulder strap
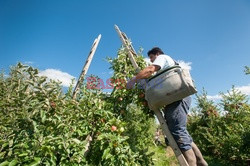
176,63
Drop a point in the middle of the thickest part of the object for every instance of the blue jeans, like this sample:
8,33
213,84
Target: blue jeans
176,118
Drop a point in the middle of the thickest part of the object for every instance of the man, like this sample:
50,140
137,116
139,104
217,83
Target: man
174,113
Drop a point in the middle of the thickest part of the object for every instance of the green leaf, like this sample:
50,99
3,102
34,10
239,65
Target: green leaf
76,140
4,145
23,154
4,163
43,116
13,163
2,154
105,153
36,161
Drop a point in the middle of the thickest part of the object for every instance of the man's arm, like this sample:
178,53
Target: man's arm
147,72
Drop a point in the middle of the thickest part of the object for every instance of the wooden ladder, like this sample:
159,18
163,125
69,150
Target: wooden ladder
131,53
89,138
86,66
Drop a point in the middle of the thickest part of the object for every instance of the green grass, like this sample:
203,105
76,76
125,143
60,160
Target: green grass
163,156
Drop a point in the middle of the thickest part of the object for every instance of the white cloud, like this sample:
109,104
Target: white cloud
185,65
215,97
244,89
58,75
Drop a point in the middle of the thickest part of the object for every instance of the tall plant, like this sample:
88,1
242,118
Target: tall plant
40,125
222,130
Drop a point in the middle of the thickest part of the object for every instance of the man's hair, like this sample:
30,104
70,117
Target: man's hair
155,50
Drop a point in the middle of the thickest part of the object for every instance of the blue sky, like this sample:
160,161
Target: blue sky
55,36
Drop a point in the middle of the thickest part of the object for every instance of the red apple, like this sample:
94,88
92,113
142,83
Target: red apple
113,128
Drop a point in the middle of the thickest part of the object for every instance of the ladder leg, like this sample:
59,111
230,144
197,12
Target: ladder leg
170,138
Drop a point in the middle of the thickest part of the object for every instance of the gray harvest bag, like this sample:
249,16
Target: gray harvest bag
168,86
